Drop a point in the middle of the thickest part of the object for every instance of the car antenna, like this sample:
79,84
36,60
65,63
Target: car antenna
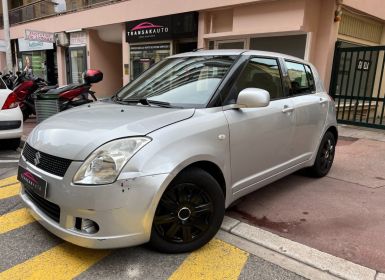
198,49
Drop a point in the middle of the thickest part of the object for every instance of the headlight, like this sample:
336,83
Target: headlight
105,163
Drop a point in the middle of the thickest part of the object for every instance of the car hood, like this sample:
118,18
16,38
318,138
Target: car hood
75,133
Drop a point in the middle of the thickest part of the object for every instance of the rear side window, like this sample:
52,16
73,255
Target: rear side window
261,73
301,78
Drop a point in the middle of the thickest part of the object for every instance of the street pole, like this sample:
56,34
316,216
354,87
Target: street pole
7,39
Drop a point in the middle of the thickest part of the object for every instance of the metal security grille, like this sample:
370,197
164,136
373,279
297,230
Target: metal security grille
358,85
51,164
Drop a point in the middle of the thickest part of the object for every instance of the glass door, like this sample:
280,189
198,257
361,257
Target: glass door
77,64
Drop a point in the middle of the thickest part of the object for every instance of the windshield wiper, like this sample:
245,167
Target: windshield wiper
144,101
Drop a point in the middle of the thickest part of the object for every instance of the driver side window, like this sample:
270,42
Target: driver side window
263,73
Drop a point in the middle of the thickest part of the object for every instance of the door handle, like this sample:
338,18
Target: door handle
322,101
287,109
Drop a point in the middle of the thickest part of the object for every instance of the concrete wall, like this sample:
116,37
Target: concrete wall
106,57
372,7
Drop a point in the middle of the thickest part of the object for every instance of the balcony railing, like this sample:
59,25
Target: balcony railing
46,8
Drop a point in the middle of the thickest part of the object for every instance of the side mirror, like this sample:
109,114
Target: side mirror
253,98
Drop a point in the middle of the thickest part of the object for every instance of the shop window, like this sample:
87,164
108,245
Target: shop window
301,80
263,73
294,45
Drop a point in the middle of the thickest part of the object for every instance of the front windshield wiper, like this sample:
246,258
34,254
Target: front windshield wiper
144,101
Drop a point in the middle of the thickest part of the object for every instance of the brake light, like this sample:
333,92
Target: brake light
10,102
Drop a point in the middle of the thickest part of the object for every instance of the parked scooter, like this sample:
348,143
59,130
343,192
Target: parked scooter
10,79
24,87
67,96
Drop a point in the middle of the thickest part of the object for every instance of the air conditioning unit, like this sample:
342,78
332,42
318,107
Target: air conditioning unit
62,39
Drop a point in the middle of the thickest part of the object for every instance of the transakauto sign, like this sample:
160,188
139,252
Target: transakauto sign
162,28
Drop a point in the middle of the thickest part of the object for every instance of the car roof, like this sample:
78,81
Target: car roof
238,52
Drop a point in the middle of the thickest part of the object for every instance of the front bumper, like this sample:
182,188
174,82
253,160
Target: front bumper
123,210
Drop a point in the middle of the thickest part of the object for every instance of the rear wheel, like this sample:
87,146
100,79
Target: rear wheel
325,156
189,213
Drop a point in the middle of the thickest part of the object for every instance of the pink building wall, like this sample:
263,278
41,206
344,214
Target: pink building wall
106,57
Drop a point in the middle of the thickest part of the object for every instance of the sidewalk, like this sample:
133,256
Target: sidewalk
341,214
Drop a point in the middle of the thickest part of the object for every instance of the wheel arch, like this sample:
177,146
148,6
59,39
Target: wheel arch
211,168
334,131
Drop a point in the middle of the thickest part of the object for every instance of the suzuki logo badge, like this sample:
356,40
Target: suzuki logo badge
36,160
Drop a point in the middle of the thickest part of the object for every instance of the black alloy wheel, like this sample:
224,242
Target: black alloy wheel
189,212
325,156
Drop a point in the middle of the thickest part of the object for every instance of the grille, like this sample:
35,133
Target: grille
54,165
50,209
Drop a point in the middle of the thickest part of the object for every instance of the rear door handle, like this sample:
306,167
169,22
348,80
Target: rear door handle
287,109
322,101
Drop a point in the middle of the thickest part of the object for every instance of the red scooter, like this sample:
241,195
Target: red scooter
24,86
66,97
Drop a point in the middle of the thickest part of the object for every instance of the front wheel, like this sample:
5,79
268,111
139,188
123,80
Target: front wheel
325,156
189,213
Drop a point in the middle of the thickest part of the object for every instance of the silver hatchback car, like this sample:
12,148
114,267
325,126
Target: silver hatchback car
161,160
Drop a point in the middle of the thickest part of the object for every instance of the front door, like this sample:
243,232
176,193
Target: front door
260,138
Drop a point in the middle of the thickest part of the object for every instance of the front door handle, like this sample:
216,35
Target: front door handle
287,109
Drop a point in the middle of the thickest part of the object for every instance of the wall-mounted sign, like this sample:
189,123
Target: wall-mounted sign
363,65
150,47
78,38
41,36
163,28
26,46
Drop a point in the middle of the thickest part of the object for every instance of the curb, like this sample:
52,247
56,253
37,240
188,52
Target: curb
326,263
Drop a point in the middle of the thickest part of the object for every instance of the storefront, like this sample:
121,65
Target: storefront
151,40
38,58
76,57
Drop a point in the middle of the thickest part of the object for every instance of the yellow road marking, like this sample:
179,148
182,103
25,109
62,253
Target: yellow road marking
8,181
9,191
64,261
15,220
217,260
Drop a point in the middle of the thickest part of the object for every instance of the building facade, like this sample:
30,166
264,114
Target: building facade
124,38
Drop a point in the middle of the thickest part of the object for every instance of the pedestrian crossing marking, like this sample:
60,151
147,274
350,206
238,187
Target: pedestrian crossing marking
217,260
64,261
15,219
9,191
8,181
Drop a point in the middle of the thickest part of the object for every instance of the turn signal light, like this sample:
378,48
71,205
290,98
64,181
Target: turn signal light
10,102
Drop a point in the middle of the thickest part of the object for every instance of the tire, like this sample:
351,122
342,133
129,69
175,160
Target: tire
12,144
325,156
26,113
189,213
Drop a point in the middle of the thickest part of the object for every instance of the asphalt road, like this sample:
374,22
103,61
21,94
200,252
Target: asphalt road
29,251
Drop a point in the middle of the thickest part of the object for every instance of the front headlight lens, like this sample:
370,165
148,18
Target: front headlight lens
104,165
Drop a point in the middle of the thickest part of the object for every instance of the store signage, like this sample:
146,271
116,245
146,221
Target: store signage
78,38
41,36
150,47
26,45
162,28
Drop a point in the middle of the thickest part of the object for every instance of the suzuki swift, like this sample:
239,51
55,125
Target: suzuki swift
161,160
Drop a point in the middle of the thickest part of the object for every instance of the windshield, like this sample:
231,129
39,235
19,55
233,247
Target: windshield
187,82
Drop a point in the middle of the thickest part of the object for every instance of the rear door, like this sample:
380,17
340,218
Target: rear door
310,109
260,138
